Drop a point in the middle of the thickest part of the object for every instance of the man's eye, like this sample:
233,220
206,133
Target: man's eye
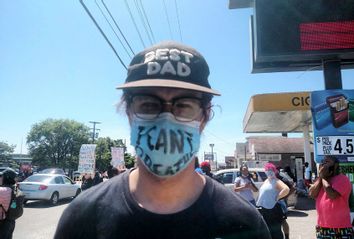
150,105
184,105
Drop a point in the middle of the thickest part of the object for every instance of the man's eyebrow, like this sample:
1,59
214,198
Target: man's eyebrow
188,96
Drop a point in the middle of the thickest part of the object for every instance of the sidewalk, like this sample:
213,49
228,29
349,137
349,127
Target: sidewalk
302,223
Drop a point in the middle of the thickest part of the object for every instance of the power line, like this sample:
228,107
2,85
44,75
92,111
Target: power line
168,19
136,27
147,20
104,35
142,20
212,134
117,26
179,25
109,23
307,70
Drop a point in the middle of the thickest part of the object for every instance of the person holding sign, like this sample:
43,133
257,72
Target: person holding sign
332,191
168,103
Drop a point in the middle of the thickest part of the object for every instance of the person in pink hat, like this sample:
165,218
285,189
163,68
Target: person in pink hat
271,191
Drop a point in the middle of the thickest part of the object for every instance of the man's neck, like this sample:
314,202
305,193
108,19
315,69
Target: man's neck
167,195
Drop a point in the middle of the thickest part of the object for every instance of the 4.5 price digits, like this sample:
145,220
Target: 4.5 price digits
348,148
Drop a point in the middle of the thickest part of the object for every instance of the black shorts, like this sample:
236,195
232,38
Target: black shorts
334,233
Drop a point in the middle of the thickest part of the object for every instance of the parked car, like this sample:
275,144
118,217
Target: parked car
228,176
50,187
53,171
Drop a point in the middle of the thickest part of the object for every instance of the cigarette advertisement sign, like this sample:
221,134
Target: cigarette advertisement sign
117,157
87,159
333,124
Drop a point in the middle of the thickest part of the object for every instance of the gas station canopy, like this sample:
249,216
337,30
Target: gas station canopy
278,113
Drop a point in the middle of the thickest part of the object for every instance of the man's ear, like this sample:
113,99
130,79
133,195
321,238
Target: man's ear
206,117
130,116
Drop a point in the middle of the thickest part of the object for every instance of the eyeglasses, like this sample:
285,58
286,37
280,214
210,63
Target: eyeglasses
149,107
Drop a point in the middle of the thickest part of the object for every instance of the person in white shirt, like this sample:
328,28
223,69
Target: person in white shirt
245,186
307,174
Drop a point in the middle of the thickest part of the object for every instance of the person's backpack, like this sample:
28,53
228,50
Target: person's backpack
15,209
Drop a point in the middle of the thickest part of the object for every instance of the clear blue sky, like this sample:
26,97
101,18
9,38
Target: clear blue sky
54,63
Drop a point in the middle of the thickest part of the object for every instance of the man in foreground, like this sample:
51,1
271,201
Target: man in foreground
168,99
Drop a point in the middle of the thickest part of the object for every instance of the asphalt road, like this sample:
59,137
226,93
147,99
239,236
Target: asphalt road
39,221
302,223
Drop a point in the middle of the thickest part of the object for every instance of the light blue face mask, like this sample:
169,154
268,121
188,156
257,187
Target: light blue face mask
165,145
270,174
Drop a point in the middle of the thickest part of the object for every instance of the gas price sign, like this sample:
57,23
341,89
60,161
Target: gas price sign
333,124
335,145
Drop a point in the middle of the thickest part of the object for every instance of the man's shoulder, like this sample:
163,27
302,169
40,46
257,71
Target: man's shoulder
233,211
101,192
223,195
93,206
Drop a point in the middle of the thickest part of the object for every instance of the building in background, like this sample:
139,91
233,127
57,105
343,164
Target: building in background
22,158
230,162
280,150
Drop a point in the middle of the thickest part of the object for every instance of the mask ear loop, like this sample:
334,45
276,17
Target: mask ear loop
208,114
211,112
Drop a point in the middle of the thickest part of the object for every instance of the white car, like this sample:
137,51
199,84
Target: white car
228,176
50,187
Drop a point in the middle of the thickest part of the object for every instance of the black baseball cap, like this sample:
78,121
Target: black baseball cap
169,64
9,176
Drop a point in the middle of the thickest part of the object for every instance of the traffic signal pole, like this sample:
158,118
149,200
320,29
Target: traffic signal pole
332,74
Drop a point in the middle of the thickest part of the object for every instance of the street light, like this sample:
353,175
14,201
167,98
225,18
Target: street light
212,155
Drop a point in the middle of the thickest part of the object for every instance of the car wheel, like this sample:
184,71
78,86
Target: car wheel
78,191
54,198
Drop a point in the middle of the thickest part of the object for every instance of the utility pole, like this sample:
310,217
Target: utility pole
245,152
94,129
212,155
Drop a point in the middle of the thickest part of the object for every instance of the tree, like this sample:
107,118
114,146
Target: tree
129,160
56,143
104,155
5,157
103,152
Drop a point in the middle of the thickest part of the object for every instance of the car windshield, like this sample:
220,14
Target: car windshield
38,178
